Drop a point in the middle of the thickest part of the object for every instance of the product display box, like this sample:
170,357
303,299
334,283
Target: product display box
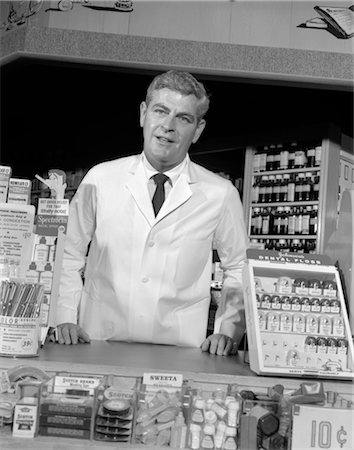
297,322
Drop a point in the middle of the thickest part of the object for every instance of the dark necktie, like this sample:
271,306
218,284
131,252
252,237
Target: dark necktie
159,195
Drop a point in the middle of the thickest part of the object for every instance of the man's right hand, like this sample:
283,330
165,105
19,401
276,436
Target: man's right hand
70,333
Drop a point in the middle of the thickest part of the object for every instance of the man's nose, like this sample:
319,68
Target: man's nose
169,122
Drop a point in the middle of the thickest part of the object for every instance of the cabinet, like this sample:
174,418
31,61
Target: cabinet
290,193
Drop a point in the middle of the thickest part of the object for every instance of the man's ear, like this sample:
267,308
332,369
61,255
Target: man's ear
199,130
143,109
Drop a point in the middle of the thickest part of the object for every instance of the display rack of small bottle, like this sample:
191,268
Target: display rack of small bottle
285,196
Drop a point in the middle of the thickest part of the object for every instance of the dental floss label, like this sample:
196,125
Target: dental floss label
19,191
52,215
316,427
5,174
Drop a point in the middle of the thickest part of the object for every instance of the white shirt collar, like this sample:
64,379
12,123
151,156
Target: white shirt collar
173,174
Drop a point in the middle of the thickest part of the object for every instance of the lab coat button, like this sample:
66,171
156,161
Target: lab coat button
145,280
151,243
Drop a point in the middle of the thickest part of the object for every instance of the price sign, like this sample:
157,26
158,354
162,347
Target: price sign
316,427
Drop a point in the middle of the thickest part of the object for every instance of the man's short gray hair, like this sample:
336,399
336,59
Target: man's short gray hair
182,82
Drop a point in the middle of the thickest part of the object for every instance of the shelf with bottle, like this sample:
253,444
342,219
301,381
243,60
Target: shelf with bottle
284,221
288,188
288,156
282,236
293,244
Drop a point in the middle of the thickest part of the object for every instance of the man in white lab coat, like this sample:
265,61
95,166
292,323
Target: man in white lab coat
148,271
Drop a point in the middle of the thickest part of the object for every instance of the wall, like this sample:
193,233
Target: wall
258,39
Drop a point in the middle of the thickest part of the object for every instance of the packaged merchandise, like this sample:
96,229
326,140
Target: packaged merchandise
114,409
159,411
309,335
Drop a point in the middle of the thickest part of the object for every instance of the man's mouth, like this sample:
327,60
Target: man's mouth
164,140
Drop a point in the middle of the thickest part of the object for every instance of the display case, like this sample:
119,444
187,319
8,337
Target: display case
291,189
297,323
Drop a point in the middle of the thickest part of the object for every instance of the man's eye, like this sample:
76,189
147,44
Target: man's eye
185,119
160,111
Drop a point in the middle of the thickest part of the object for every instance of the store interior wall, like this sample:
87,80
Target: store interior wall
71,115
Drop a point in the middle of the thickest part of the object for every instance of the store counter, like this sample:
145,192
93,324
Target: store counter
132,360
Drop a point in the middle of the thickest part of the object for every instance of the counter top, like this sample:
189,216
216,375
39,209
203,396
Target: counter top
133,359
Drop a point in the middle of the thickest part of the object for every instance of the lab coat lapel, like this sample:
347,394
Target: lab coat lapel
179,194
139,190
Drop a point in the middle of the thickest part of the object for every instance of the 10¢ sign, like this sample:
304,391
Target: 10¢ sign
316,427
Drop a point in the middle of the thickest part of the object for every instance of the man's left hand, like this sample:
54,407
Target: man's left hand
219,344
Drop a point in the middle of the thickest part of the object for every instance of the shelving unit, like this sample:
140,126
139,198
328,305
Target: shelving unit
306,189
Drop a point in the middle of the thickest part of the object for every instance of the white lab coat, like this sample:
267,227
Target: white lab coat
147,279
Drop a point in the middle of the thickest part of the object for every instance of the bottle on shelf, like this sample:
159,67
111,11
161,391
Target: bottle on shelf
296,246
318,155
307,188
284,219
255,229
263,159
291,221
313,220
270,157
269,189
256,161
262,189
276,188
298,219
316,187
284,158
276,226
311,156
292,151
282,245
311,246
255,190
299,185
284,187
276,160
291,188
305,229
266,220
300,159
269,244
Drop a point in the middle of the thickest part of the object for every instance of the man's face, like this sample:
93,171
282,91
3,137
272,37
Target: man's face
170,126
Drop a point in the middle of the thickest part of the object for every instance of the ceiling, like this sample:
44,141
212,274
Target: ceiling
73,115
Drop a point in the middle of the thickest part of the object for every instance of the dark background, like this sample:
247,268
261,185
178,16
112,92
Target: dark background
70,115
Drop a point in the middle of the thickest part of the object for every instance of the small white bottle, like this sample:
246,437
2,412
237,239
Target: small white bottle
232,413
46,277
41,250
207,442
32,274
230,439
220,434
194,436
178,432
